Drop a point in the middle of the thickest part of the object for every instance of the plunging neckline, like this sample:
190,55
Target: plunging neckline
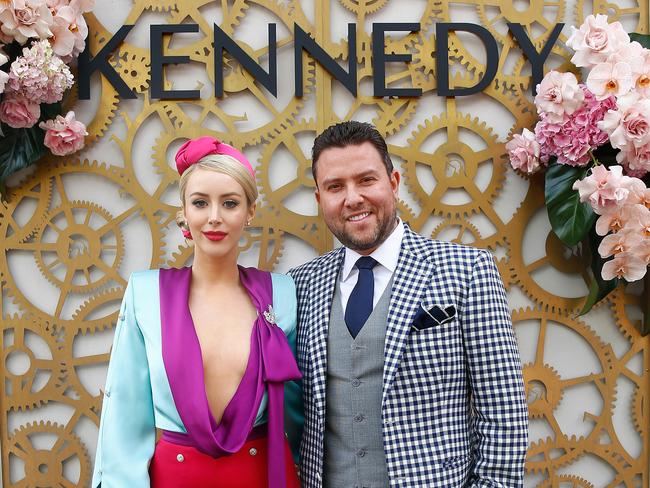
247,371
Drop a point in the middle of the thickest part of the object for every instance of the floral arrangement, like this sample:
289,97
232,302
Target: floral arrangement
592,140
39,42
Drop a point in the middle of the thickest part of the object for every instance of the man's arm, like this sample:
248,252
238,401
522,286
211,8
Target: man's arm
500,413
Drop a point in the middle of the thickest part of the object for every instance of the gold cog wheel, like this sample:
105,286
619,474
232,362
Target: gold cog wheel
527,268
363,7
33,196
454,165
45,467
545,387
33,376
79,247
565,481
58,173
638,10
534,18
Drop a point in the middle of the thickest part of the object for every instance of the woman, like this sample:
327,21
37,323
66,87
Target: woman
204,353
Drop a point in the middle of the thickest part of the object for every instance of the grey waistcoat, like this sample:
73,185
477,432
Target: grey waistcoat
354,449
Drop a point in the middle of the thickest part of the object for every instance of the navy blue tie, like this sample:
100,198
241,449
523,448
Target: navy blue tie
359,304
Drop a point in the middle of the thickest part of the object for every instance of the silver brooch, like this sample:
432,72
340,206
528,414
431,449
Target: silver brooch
269,315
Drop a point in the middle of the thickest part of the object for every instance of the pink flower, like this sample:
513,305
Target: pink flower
70,31
4,77
603,188
19,112
613,219
558,94
636,160
624,241
625,265
39,74
606,79
596,40
524,152
64,135
642,251
642,84
572,139
25,19
630,124
638,220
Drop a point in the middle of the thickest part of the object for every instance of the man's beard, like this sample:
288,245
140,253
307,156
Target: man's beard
381,233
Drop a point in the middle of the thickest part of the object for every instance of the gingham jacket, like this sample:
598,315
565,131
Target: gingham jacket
453,405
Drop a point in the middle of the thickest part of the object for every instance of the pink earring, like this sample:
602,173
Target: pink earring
187,234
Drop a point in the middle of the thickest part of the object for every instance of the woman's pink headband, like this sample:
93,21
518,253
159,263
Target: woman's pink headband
193,150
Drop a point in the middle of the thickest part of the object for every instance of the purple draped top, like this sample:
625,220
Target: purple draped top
270,364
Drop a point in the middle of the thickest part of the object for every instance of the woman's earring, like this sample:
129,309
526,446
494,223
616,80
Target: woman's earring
248,223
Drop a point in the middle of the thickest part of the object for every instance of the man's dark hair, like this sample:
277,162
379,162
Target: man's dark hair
350,133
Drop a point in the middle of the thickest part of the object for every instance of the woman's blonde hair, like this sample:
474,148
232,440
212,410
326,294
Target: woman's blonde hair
221,163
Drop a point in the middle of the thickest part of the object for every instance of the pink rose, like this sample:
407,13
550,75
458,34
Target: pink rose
64,135
524,152
630,124
558,94
596,40
603,188
636,160
19,112
24,19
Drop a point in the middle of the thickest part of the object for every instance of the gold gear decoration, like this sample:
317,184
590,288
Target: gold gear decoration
26,389
35,194
454,165
77,249
545,387
45,467
363,7
565,481
495,14
640,10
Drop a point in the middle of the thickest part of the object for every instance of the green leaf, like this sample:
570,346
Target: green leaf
19,148
606,154
599,288
643,39
570,218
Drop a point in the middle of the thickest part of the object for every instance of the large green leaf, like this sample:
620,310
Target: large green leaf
19,148
643,39
570,218
599,288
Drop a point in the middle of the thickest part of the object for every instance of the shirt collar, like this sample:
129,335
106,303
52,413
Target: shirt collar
386,254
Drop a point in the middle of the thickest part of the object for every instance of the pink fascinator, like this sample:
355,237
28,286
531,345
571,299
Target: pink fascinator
194,149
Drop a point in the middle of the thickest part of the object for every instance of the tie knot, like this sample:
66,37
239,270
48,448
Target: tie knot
366,262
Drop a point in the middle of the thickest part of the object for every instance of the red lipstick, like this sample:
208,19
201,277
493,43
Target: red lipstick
214,235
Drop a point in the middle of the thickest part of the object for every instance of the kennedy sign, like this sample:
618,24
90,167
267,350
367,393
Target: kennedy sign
304,42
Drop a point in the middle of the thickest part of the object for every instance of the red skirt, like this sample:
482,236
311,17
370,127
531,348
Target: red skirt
177,466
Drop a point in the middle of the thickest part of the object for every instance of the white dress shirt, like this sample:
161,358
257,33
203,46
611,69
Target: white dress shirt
386,256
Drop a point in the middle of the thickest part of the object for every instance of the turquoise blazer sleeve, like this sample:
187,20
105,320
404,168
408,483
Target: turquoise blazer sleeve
127,428
285,307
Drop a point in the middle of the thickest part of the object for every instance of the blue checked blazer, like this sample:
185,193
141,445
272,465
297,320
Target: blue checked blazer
453,406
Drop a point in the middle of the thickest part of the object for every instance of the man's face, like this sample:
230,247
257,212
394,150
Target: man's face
357,196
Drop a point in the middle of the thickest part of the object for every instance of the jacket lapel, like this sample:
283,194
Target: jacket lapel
412,278
321,292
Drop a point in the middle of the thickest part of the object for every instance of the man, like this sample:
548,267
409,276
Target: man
411,372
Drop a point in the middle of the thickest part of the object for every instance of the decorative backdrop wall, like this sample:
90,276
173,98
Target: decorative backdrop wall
74,229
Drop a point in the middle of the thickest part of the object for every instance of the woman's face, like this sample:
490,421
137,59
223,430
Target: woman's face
216,211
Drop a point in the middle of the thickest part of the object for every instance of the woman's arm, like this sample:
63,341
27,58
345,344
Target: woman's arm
127,429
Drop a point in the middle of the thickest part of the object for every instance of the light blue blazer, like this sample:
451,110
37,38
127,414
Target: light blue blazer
138,398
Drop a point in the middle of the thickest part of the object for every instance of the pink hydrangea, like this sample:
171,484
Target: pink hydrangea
572,139
39,74
25,19
19,112
64,135
524,152
558,95
596,40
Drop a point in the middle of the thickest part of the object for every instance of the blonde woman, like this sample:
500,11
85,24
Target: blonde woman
204,353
